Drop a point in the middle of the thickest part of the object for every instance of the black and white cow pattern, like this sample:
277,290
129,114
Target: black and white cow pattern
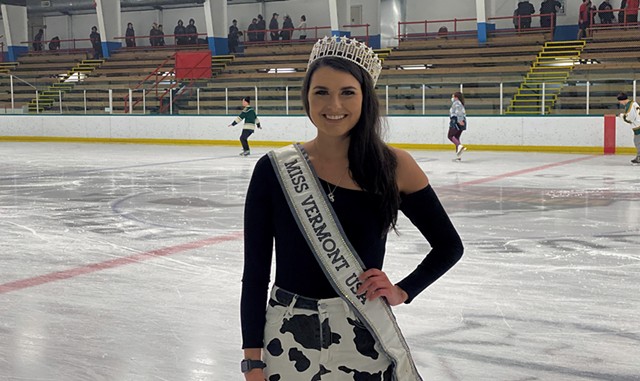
330,344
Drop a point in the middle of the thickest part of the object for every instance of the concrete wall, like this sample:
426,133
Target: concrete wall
561,134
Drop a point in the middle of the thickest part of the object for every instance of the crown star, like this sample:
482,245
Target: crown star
349,49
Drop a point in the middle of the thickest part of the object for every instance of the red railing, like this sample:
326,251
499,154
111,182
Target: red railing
360,37
313,33
523,24
170,72
615,23
145,41
182,90
438,28
76,45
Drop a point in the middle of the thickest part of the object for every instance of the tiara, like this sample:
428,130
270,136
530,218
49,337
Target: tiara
349,49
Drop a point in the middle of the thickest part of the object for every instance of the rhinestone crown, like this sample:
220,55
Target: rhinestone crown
349,49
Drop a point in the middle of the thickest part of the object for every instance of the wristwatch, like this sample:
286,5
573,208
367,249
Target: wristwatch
248,365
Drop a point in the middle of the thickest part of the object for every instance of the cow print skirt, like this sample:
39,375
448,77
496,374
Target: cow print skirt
309,339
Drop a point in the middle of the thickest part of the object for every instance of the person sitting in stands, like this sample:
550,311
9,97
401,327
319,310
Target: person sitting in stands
54,44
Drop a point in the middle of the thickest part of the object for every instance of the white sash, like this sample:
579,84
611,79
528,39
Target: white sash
342,266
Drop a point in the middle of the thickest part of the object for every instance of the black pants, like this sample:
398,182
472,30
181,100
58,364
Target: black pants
243,139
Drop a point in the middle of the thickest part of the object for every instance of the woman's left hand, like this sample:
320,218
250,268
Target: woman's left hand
376,284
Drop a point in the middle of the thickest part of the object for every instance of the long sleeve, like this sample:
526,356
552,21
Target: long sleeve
258,248
427,213
457,110
631,114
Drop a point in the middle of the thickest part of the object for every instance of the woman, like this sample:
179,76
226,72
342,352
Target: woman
308,330
251,121
130,35
457,122
302,27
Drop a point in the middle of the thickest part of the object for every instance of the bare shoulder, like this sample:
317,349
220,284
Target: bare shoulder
410,177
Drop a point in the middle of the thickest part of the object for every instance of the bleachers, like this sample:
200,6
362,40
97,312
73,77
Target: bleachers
438,67
35,72
609,66
124,70
415,70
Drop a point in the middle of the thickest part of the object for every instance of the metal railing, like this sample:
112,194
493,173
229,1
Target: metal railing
427,98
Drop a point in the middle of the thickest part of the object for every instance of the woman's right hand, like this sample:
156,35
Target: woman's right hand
255,375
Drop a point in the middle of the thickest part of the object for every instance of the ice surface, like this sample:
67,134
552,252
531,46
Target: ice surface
123,262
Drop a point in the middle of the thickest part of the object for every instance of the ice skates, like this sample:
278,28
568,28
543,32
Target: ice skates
636,161
245,153
459,152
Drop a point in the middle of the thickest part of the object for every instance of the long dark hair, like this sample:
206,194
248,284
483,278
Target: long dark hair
371,162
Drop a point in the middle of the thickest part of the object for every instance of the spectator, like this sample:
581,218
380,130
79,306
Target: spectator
623,5
302,26
179,34
96,43
631,11
584,18
192,32
443,31
524,11
37,40
153,35
273,27
287,28
130,35
253,36
160,35
232,38
54,44
261,28
606,15
548,10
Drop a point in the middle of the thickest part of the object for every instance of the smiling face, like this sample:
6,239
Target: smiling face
335,101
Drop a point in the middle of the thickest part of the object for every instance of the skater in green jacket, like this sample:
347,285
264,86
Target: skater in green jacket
251,121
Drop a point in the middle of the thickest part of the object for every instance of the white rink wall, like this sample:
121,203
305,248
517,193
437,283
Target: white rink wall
531,133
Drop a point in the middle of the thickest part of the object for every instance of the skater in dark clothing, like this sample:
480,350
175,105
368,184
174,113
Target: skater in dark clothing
251,121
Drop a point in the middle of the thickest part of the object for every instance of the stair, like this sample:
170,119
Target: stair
548,74
382,53
65,84
6,67
219,63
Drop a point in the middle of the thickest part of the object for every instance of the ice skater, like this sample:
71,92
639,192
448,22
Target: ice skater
251,121
457,122
631,115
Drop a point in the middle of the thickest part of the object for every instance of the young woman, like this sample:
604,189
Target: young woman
251,121
302,27
308,330
457,122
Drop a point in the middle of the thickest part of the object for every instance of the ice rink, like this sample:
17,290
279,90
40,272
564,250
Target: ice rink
123,263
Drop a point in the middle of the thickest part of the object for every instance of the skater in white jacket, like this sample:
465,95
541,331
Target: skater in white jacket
631,115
